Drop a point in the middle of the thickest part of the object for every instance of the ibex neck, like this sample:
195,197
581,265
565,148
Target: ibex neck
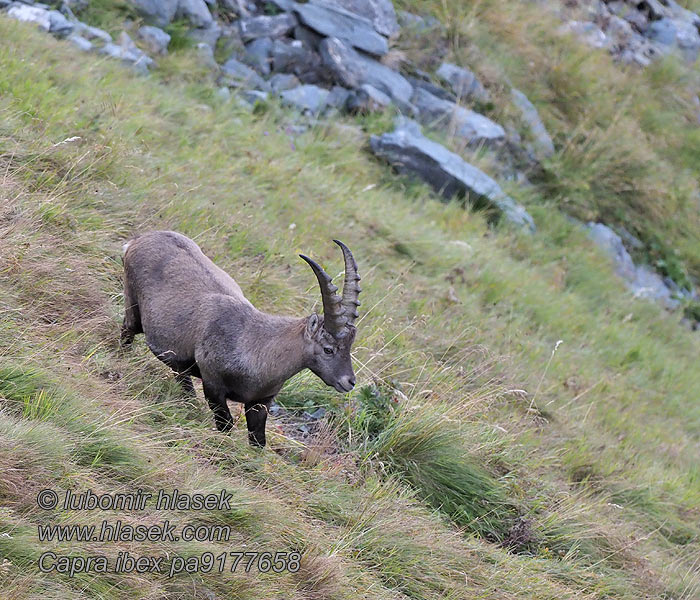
280,348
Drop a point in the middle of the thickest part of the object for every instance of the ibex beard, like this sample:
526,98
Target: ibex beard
198,322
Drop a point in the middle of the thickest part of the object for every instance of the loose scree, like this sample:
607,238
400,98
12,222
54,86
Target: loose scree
198,322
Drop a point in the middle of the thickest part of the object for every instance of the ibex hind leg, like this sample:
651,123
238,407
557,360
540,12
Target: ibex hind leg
132,319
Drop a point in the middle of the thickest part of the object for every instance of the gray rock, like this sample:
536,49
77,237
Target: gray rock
252,97
380,12
92,33
662,32
265,26
544,147
60,26
259,54
155,39
283,5
676,34
309,38
640,280
338,97
127,52
588,32
80,42
474,128
48,20
294,57
353,69
410,152
196,12
307,98
206,35
432,89
333,21
205,55
236,74
283,81
463,82
223,93
413,21
366,99
158,12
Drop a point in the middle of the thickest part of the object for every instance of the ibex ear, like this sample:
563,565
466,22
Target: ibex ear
313,324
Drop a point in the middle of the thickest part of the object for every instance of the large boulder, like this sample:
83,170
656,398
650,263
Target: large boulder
266,26
155,38
475,129
352,69
463,82
157,12
676,34
333,21
544,147
412,153
380,12
196,12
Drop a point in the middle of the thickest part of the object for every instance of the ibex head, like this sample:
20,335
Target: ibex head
330,337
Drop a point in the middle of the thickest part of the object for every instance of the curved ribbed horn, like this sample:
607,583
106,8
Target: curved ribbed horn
351,287
333,312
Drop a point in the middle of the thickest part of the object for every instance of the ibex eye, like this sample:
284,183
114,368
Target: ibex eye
328,350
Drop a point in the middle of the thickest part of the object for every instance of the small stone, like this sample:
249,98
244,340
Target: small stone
283,81
80,42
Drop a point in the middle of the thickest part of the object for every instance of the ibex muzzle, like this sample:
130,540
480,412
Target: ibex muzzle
198,322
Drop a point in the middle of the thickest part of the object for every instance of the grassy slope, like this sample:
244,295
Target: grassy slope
598,454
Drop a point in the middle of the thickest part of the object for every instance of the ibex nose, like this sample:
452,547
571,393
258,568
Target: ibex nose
347,382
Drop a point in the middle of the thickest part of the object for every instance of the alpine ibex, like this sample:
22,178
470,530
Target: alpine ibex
198,322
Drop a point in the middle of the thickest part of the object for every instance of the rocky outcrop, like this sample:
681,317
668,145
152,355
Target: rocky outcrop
409,152
639,32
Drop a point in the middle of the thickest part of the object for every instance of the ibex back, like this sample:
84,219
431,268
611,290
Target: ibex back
198,322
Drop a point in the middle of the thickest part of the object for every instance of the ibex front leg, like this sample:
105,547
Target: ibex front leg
256,417
217,402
